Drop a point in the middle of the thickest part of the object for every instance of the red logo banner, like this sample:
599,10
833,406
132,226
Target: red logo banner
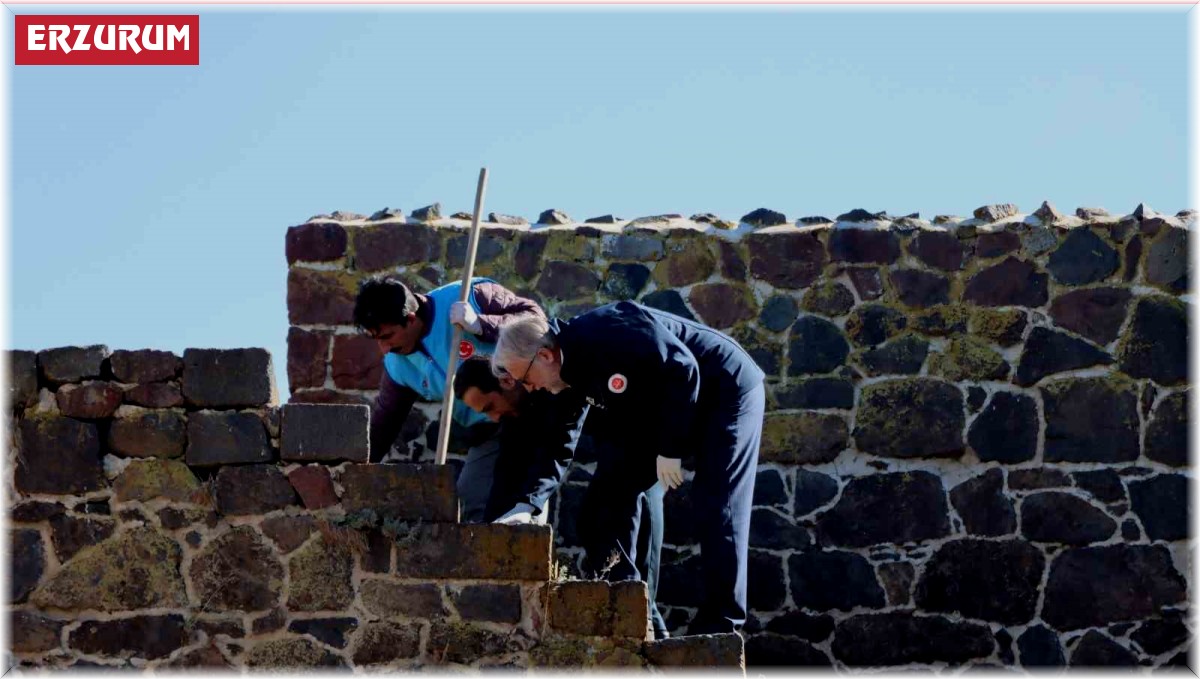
107,40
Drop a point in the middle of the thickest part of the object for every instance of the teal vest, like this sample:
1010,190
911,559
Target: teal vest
424,370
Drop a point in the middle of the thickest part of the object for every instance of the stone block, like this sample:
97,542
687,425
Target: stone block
356,362
1090,420
152,433
228,378
384,246
1099,650
900,638
155,395
625,281
864,246
326,433
1006,430
903,356
833,580
816,392
72,364
22,379
698,650
483,552
315,242
320,297
1083,257
772,530
816,346
389,599
786,260
778,651
527,259
314,485
887,508
1161,502
1167,434
252,489
134,570
463,643
1039,646
146,480
217,438
872,324
307,356
237,571
487,602
567,280
990,245
422,492
1047,352
147,636
983,506
1097,586
908,418
88,401
58,456
580,607
920,289
144,365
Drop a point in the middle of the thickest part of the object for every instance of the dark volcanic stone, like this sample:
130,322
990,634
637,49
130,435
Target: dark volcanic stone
155,433
1161,502
22,379
315,242
1064,518
983,506
1012,282
875,246
216,438
489,602
828,299
1037,478
773,650
764,217
1167,434
332,631
527,258
940,250
89,401
733,263
785,260
1156,344
1047,352
941,320
669,301
814,628
816,392
872,324
887,508
146,365
867,281
228,378
324,432
816,346
35,511
721,305
1104,484
253,489
28,562
625,281
428,213
765,570
897,578
920,289
33,633
860,215
71,364
567,280
1095,313
903,356
910,417
239,556
1090,420
991,245
71,534
1098,650
508,220
976,397
1133,256
1095,586
155,395
147,637
813,490
769,489
1167,260
1159,636
825,581
983,579
488,249
778,313
771,530
58,456
1039,647
901,637
1082,258
641,248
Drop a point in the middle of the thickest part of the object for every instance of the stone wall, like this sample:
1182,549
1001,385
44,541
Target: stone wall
166,512
976,445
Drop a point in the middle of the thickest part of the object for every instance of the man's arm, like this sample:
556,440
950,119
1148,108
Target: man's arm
555,436
388,413
499,305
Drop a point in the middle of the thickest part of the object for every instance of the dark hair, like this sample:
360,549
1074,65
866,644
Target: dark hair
475,372
383,299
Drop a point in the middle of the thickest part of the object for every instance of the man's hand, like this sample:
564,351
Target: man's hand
521,514
670,472
462,315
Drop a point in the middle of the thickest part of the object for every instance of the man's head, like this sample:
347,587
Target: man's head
527,352
386,310
475,385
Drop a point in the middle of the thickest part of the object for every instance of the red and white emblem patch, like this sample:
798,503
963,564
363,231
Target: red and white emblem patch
465,350
617,383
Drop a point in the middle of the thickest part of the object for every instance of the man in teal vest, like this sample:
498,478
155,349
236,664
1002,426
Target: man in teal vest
414,332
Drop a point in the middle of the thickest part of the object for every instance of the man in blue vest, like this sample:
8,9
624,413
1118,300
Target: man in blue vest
673,387
414,332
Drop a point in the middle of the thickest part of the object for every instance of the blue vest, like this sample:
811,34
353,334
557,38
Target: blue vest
424,370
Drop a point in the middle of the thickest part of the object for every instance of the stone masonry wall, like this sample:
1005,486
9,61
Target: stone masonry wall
976,448
165,512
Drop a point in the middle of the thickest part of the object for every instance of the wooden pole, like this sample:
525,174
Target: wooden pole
452,361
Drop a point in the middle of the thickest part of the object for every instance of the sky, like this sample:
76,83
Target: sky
148,205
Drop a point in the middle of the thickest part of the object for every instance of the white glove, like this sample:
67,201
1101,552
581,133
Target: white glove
670,472
521,514
462,315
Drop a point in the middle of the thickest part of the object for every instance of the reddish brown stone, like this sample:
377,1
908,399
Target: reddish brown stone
58,455
155,395
253,489
357,363
1012,282
699,650
90,401
580,607
733,264
70,534
721,305
33,632
1095,313
630,610
288,532
160,433
995,244
307,352
328,396
875,246
386,245
527,259
920,289
145,365
867,282
939,249
315,242
786,260
319,297
314,486
405,491
209,657
476,552
567,280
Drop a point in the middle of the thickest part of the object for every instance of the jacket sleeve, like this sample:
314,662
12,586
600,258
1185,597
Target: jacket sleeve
678,378
388,413
557,435
499,305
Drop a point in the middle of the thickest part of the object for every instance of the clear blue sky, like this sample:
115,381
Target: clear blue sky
149,205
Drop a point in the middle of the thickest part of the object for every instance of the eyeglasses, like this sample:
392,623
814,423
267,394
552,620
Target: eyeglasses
527,369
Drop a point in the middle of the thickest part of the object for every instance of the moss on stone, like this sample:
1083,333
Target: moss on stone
941,320
282,653
828,298
1003,326
803,438
568,245
969,358
687,261
320,577
150,479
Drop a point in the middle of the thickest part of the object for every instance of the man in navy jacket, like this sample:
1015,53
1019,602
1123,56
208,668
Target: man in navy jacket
672,387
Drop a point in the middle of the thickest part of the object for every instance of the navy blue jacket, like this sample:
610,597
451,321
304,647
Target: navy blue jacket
652,373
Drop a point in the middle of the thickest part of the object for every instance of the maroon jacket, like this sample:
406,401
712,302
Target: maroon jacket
497,304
